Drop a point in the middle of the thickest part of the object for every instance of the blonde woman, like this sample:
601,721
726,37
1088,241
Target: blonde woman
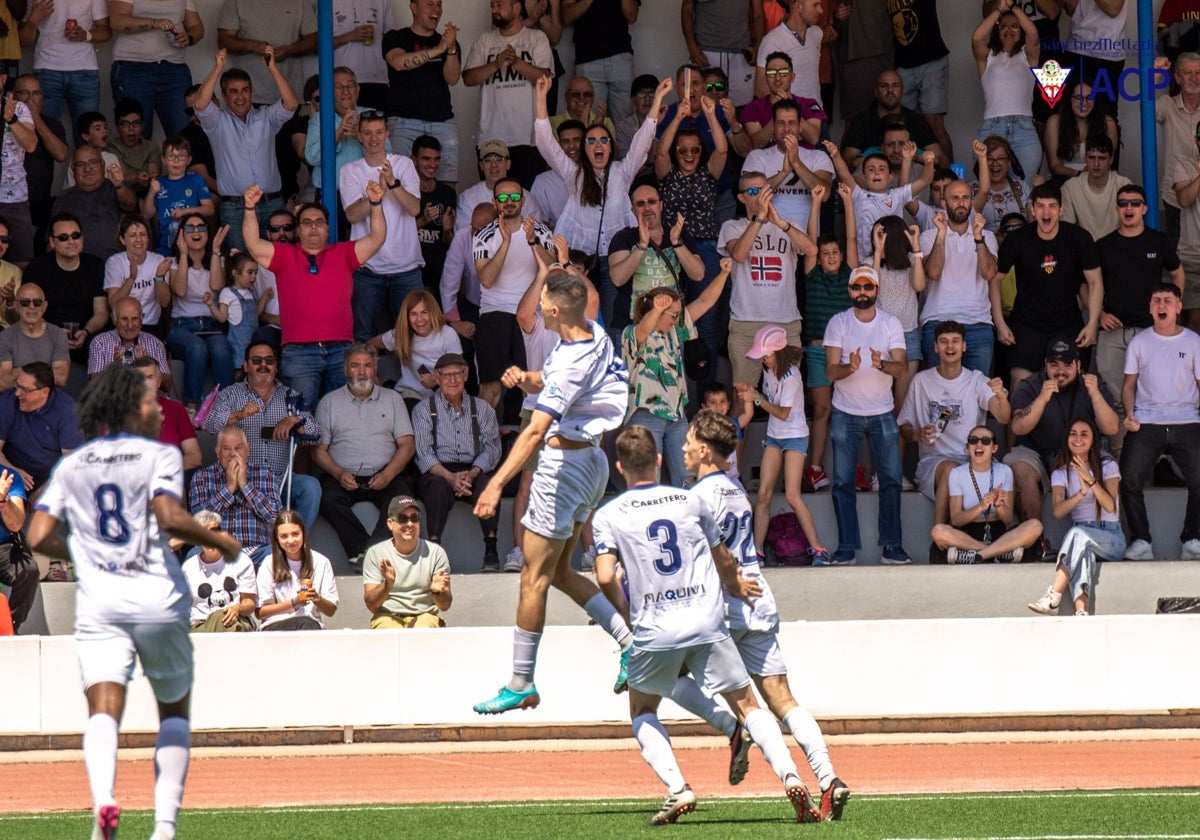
420,337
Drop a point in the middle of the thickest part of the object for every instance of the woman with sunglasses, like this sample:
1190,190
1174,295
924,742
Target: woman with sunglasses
196,336
1084,486
981,510
139,273
296,589
597,190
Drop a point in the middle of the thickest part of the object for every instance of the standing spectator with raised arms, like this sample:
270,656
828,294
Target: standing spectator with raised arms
1006,46
406,579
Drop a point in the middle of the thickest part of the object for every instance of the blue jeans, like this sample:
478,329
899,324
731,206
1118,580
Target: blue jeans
371,290
403,131
199,353
80,89
159,86
231,213
669,436
1021,135
306,497
1083,547
846,432
981,342
314,371
612,78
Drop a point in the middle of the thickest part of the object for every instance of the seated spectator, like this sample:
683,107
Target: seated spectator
1043,407
92,128
366,445
406,580
435,222
128,341
864,129
175,193
758,116
32,339
980,519
98,200
580,97
74,285
38,425
1086,486
458,448
140,157
296,589
419,339
177,428
494,163
641,96
942,404
1090,200
1003,187
18,569
138,273
10,278
1160,395
1070,130
224,594
549,190
244,494
195,335
269,412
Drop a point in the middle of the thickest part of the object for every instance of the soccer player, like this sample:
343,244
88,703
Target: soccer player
754,627
120,495
584,390
676,564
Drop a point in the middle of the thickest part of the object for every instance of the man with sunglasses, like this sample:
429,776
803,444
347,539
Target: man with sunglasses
31,339
494,162
406,580
581,96
74,284
758,117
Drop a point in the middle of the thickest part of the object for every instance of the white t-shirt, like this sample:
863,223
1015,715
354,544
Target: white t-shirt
585,388
506,98
53,51
998,477
551,195
426,350
366,60
518,271
401,250
869,207
786,392
266,280
214,586
104,492
964,398
792,197
867,391
1167,369
192,304
116,272
238,300
764,286
961,293
1086,509
538,343
734,515
270,592
153,45
806,57
663,538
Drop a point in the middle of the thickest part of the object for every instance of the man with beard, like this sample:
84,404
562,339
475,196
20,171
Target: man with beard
864,352
791,170
649,255
960,262
366,444
1044,407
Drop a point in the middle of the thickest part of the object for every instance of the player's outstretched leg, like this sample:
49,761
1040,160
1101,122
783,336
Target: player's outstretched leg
764,729
656,750
688,695
106,701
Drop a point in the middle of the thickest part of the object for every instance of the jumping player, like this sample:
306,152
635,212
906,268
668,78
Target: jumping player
675,564
584,390
754,626
120,495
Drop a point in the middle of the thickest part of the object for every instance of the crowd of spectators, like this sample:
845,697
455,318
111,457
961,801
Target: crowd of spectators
703,208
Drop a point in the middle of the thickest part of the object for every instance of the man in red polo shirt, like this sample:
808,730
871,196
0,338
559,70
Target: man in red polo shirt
315,281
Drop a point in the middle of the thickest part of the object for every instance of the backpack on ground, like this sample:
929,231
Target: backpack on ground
786,544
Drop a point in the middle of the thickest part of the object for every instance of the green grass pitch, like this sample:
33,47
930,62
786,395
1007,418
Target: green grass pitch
1150,814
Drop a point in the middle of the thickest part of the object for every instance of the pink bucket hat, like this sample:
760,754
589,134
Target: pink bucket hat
768,339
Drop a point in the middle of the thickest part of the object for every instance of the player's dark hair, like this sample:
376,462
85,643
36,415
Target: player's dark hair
949,327
715,430
568,292
108,400
637,452
280,571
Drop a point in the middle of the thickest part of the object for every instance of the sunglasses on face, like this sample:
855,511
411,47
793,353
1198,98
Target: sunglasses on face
199,227
861,287
262,360
407,519
646,202
687,150
592,141
284,228
494,158
505,198
1130,202
27,302
973,440
63,237
752,190
711,86
771,74
580,94
312,263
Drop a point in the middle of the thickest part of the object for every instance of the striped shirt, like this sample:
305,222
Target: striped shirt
272,454
456,434
103,351
247,514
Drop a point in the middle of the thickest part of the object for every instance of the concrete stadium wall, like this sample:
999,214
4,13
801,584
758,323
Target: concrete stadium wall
866,669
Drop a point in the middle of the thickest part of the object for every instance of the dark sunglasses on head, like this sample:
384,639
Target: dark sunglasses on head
312,263
199,227
1130,202
262,360
288,227
504,198
975,439
603,141
407,518
711,86
63,237
31,301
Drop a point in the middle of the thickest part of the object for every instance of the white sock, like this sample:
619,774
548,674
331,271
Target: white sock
656,749
808,735
100,758
525,648
764,730
688,694
171,752
601,611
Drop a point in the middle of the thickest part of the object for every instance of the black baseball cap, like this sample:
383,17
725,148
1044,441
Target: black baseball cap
643,83
1062,350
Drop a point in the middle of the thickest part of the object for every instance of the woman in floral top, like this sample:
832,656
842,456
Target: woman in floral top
653,351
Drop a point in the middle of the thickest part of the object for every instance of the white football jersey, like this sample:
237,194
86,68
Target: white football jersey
663,538
585,388
104,492
734,515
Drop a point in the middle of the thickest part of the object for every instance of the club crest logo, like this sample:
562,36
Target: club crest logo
1051,78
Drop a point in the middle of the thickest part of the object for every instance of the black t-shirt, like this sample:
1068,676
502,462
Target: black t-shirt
420,94
39,174
1068,405
69,294
863,131
602,31
99,214
917,32
1133,266
432,249
1049,273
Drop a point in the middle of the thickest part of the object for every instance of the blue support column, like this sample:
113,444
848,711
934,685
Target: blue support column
1145,59
325,69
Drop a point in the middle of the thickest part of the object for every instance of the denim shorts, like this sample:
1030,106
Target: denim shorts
814,359
788,444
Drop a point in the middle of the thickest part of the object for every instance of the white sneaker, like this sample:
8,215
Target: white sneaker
1191,550
1048,603
587,563
1141,550
514,561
